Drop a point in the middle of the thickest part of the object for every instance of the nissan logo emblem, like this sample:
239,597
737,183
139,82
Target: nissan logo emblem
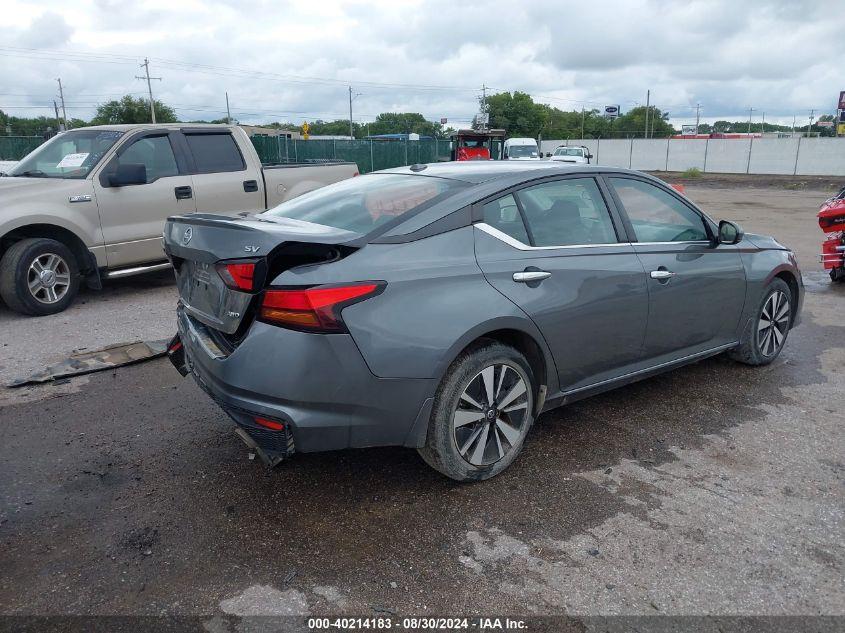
186,237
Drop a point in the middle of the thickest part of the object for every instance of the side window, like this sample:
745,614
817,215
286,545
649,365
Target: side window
658,216
503,214
154,153
567,213
215,153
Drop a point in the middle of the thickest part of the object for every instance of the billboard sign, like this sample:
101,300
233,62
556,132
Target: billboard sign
443,120
688,130
842,100
611,111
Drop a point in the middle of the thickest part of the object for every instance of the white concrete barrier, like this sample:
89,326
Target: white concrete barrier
686,153
821,157
799,156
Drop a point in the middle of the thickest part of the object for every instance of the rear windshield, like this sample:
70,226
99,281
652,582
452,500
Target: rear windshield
365,203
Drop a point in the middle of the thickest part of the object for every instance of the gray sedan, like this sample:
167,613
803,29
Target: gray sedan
444,307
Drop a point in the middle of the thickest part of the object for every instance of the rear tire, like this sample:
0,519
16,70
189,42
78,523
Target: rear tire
38,276
469,437
766,333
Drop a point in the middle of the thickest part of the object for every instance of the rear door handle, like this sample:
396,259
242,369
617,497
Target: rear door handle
183,193
661,275
531,275
250,185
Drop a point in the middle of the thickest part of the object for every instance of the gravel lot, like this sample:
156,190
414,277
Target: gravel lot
715,489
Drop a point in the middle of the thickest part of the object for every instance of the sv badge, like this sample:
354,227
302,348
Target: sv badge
251,249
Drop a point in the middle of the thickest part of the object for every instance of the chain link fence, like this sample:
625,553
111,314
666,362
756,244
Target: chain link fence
369,155
16,147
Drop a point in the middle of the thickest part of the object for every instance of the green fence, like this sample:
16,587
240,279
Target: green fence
16,147
368,155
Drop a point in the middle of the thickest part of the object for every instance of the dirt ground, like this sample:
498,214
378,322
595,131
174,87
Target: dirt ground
715,489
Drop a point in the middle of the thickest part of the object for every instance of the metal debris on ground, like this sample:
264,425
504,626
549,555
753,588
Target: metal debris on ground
97,360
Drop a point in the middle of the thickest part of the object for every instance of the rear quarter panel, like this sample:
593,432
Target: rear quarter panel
436,302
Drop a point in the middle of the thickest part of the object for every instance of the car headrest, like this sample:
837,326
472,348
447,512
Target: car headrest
565,210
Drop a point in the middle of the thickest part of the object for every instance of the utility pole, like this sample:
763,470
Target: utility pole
484,124
697,117
351,99
58,120
763,124
582,123
793,125
350,112
750,110
62,99
228,114
647,108
146,67
810,126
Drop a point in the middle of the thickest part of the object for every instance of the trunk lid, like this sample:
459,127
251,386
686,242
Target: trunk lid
196,243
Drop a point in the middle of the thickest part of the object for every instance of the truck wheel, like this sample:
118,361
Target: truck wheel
481,414
38,276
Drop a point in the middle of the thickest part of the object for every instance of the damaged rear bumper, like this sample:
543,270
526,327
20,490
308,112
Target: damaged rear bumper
316,387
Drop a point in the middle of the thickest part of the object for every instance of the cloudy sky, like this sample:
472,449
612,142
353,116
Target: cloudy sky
291,60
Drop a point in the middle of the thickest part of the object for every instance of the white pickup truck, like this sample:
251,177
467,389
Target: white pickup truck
91,203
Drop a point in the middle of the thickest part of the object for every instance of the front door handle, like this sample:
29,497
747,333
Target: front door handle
183,193
250,185
531,275
662,275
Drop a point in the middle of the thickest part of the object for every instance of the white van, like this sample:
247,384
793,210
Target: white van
521,149
571,154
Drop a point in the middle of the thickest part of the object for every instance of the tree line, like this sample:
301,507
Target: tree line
516,112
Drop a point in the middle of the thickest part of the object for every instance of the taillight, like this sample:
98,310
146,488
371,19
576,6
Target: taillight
239,274
315,309
269,424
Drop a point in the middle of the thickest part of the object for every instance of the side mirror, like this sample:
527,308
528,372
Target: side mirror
548,154
730,232
128,174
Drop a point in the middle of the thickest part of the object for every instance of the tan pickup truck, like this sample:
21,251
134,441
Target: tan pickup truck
91,202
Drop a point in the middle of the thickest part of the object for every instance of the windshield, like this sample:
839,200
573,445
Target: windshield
522,151
69,155
569,151
364,203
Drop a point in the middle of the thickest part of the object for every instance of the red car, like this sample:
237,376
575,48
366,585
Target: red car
832,221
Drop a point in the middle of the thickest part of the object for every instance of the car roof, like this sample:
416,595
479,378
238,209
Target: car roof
479,171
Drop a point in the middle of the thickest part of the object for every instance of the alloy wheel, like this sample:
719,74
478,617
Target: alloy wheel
48,278
773,324
491,415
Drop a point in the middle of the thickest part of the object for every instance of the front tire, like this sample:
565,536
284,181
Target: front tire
482,412
38,276
766,334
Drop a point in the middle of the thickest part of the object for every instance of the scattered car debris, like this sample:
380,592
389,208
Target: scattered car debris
109,357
